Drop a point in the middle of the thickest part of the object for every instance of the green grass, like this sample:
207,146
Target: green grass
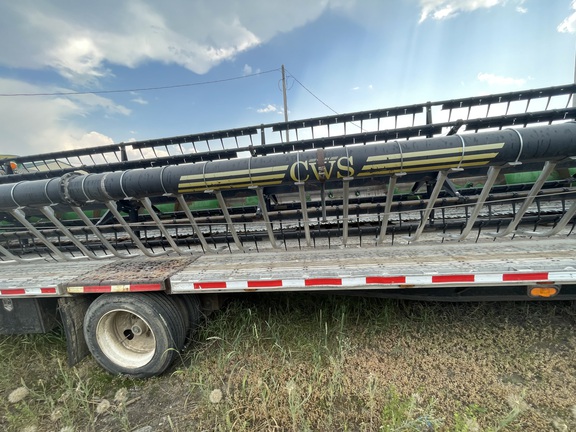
59,396
320,363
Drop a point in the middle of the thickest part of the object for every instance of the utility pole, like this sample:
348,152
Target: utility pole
285,103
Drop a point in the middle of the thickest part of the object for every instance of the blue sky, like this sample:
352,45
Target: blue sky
351,54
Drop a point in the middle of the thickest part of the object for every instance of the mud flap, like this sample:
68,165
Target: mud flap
72,311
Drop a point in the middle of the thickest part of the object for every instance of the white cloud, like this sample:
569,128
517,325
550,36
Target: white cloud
81,41
492,79
443,9
87,103
147,153
249,70
569,24
91,139
369,87
269,108
139,100
77,59
48,123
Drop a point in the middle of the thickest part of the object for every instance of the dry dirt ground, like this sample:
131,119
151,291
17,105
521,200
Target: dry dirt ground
293,362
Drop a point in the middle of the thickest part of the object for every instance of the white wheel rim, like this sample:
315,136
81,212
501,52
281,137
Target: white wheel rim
125,338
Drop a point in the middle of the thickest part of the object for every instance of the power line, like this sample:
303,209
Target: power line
309,91
139,89
321,101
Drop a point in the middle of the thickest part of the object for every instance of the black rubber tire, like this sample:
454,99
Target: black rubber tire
194,308
181,313
136,334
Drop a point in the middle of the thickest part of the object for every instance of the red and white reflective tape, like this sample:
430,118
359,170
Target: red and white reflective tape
388,281
13,292
384,281
97,289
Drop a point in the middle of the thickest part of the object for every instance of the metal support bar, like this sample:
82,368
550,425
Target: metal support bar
188,213
440,179
323,201
49,213
21,217
148,206
264,210
304,207
226,215
13,258
345,208
98,234
559,226
112,207
387,209
536,187
493,173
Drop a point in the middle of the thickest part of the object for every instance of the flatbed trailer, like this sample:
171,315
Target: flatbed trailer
130,251
469,268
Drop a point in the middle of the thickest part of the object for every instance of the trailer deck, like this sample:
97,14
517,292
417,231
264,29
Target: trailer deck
424,265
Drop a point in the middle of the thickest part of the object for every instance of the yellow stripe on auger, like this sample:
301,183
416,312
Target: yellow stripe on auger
236,185
251,171
240,178
427,162
424,153
419,168
237,181
468,156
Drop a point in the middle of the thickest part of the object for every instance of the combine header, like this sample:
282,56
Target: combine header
469,199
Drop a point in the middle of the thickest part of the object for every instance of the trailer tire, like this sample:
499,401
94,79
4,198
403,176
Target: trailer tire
177,315
194,311
134,334
183,327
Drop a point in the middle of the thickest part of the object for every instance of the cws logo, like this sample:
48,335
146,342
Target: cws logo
322,169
